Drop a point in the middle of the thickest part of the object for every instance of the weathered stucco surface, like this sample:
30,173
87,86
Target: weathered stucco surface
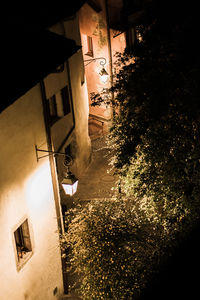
94,25
77,120
26,192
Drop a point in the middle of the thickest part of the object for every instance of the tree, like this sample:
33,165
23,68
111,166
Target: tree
117,245
115,248
156,130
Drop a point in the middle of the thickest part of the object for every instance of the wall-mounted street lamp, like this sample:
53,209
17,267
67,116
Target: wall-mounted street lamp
69,182
103,73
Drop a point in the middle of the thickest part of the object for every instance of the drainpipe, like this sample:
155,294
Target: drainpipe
53,175
110,56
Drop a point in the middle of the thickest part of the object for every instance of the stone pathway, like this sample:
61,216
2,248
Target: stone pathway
97,182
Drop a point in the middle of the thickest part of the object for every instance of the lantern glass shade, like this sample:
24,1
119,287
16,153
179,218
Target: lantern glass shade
70,184
104,75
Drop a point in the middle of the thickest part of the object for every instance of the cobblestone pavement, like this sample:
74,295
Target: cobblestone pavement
97,182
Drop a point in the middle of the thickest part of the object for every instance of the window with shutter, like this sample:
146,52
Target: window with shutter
23,243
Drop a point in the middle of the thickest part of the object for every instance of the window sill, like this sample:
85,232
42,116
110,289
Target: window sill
91,54
24,260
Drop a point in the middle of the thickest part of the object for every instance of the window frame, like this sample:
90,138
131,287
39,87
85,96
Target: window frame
23,245
59,105
90,50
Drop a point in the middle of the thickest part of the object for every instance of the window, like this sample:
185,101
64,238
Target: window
89,46
65,100
59,105
23,243
53,109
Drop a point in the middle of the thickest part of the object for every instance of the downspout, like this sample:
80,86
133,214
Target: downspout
53,176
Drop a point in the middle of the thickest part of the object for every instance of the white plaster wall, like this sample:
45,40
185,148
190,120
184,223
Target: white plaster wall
54,82
80,99
26,191
79,138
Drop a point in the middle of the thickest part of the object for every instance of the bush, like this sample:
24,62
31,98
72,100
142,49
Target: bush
155,133
115,245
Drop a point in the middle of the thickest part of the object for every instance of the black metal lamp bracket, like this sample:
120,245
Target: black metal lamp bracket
68,159
102,62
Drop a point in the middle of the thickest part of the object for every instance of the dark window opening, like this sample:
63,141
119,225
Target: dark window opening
59,105
65,100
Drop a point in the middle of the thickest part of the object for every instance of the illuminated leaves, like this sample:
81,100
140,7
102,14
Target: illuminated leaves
114,248
155,135
155,138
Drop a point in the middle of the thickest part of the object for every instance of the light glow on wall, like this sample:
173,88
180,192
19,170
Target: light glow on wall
39,189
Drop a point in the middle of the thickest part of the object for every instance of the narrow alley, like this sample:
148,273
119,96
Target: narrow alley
97,182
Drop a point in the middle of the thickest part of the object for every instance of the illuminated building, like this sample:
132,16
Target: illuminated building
44,104
100,38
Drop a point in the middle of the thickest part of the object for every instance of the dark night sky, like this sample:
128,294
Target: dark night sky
179,279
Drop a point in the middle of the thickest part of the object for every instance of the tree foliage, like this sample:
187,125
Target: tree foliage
155,138
156,130
115,247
